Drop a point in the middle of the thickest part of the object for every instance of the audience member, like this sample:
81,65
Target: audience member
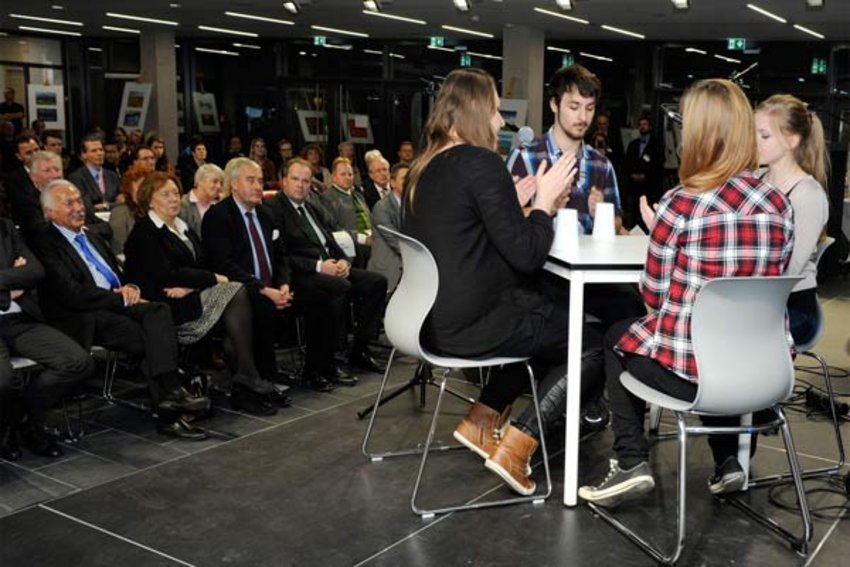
99,186
259,155
321,175
720,222
347,150
206,192
164,256
348,209
386,255
606,140
124,215
12,111
378,183
234,150
25,197
645,170
8,147
406,152
111,155
285,153
189,164
156,143
38,127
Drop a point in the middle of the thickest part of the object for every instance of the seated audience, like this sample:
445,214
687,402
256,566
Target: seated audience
721,221
124,215
386,255
206,192
165,258
346,150
234,149
285,152
348,209
321,175
156,143
322,276
52,141
24,333
378,183
188,164
98,185
406,152
85,297
259,155
24,197
111,156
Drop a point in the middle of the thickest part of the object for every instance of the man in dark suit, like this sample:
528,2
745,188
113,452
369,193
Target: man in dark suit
644,169
378,183
386,255
240,242
83,296
321,272
23,333
100,185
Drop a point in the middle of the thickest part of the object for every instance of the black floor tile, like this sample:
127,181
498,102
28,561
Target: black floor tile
20,488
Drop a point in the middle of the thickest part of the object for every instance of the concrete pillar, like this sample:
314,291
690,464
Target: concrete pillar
159,67
522,70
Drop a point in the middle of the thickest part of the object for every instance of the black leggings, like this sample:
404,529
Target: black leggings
238,337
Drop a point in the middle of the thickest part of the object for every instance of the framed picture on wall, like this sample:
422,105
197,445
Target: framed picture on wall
47,103
206,112
357,128
314,125
134,105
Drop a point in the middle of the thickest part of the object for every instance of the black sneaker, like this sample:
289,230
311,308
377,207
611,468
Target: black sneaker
619,485
728,477
594,417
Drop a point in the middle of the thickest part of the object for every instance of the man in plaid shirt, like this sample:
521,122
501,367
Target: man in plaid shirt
575,91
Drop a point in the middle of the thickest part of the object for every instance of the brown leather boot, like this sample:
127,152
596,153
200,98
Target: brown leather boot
512,460
481,429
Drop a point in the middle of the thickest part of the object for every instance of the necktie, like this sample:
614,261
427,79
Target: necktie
364,223
262,259
98,177
105,270
312,232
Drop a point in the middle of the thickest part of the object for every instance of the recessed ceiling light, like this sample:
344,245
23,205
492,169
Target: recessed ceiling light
397,55
623,32
46,20
562,16
484,55
681,4
462,5
762,11
727,59
809,31
228,31
340,31
801,79
564,4
394,17
695,50
57,7
246,45
558,49
815,3
95,49
48,30
373,5
141,19
597,57
302,53
346,47
174,5
373,51
122,30
438,48
470,32
291,7
259,18
217,51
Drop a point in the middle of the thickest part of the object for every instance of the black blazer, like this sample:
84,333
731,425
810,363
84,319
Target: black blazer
227,245
156,258
84,181
370,193
304,251
26,278
650,163
24,200
69,290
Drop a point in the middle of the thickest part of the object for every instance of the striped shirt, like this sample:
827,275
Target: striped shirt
594,170
742,228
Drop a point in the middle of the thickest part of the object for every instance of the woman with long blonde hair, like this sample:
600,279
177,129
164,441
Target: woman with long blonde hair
461,202
721,221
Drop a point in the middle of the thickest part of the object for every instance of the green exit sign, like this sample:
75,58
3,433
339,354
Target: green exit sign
465,60
818,66
567,60
438,41
736,44
319,40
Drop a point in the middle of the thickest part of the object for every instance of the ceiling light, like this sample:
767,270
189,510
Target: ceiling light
623,32
462,5
217,51
291,7
46,20
484,55
695,50
727,59
174,5
140,19
372,5
302,53
558,49
47,30
246,45
755,8
397,55
343,47
394,17
95,49
815,3
681,4
57,7
564,4
598,57
259,18
122,30
373,51
228,31
340,31
809,31
562,16
438,48
470,32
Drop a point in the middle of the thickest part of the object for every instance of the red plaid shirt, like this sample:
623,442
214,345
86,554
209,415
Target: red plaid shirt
742,228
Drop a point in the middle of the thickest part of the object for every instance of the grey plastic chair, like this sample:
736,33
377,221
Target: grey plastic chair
738,333
406,313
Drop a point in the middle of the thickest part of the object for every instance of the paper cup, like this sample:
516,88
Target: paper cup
603,223
566,231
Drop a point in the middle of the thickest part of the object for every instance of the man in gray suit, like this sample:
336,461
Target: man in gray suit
100,186
386,256
348,209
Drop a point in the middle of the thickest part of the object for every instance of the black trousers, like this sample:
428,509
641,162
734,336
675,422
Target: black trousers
628,410
326,302
264,318
65,363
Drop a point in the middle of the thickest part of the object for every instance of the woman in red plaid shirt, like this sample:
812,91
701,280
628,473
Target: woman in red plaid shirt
720,221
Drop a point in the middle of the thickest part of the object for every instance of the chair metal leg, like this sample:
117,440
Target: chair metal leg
473,504
109,384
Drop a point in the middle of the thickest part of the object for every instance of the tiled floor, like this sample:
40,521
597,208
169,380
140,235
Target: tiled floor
293,489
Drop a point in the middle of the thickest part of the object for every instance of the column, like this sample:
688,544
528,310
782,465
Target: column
159,67
523,52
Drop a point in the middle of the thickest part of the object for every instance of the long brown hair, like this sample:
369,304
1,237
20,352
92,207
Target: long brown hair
718,134
793,118
463,109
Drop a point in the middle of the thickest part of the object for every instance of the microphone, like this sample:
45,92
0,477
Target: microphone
525,135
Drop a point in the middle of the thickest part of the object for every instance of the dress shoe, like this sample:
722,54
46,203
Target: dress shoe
9,448
279,399
180,429
252,402
318,382
285,378
364,360
254,383
40,442
181,400
340,377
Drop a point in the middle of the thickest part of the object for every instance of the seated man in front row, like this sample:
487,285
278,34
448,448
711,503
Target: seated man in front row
84,297
321,273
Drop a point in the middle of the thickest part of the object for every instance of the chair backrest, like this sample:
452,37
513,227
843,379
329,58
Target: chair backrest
414,297
740,343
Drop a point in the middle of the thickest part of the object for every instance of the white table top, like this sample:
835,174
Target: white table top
624,252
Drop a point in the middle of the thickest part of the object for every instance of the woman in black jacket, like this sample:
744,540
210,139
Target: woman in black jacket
164,258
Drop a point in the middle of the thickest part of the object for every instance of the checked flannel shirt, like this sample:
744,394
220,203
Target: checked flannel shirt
742,228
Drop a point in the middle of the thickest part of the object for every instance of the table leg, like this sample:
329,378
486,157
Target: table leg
573,388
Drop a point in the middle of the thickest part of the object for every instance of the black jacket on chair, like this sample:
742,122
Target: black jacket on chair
303,250
156,258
